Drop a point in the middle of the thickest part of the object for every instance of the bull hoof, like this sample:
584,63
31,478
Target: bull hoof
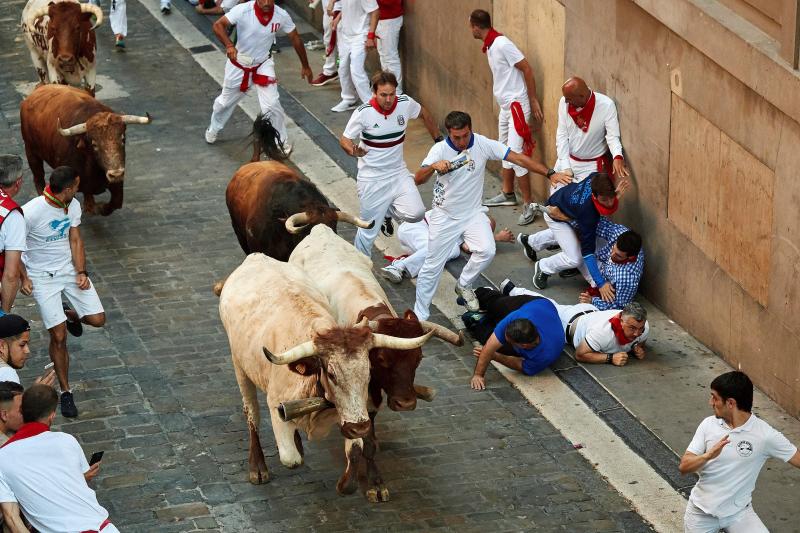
378,494
259,475
346,485
105,209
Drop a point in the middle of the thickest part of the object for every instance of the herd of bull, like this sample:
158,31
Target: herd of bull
307,321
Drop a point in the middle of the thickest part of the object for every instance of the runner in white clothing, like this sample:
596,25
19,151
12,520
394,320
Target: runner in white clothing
728,451
385,185
514,89
459,163
250,62
355,34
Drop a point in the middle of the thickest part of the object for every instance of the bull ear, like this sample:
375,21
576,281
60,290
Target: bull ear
409,315
307,366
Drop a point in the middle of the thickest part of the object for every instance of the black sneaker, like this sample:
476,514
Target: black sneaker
553,248
74,327
387,228
569,273
68,408
539,277
506,286
527,249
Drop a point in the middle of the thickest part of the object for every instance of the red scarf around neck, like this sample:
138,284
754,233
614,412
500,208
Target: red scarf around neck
490,37
616,326
263,16
377,107
603,210
48,194
29,429
583,116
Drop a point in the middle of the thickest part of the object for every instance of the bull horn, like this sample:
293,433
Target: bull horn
41,12
456,339
296,223
290,356
77,129
380,340
136,119
94,10
350,219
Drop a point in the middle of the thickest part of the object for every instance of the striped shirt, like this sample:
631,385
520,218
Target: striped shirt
382,136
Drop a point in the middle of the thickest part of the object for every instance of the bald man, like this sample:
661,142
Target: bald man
587,138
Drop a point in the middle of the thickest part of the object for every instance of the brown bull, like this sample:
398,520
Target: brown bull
66,126
265,199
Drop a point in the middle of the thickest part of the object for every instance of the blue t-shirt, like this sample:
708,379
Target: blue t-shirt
542,313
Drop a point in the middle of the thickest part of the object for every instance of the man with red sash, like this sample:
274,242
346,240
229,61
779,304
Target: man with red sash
12,230
46,473
375,134
587,138
250,63
514,89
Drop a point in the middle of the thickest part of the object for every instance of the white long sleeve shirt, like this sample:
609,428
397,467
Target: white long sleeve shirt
601,137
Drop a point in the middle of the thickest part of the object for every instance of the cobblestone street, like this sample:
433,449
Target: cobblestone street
156,390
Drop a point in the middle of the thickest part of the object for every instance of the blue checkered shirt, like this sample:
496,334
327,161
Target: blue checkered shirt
624,276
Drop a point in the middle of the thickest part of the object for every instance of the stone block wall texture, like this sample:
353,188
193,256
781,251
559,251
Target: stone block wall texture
709,129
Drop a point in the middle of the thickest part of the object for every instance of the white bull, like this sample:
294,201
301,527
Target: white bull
61,40
285,341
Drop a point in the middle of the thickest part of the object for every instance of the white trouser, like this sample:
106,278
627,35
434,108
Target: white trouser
396,196
443,233
165,3
570,255
118,16
352,76
745,521
414,238
565,312
388,47
268,99
330,61
507,134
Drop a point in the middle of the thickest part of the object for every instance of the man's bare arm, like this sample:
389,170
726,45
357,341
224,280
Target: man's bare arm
300,50
585,354
430,124
12,518
11,279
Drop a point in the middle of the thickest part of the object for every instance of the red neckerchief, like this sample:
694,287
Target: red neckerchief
490,37
30,429
392,258
630,259
583,116
48,194
522,128
377,107
603,210
263,16
616,326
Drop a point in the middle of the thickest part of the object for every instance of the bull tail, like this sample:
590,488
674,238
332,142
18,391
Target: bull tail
267,140
218,286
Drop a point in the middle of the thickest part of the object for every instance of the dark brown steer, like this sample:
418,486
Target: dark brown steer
272,209
66,126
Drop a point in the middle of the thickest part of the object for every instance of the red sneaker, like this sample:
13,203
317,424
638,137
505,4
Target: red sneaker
324,79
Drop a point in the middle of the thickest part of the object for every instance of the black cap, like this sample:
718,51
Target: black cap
12,325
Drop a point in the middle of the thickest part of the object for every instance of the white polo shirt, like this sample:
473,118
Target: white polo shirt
383,137
508,83
459,193
7,373
596,330
48,234
355,17
726,483
44,474
601,137
12,232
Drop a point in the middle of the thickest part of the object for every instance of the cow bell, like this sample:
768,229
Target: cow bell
297,408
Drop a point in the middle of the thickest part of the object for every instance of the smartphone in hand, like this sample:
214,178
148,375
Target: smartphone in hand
96,457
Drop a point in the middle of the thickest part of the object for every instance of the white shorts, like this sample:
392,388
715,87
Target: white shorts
47,290
507,134
745,521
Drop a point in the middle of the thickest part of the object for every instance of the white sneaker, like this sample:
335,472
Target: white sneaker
343,106
211,136
288,148
468,295
392,273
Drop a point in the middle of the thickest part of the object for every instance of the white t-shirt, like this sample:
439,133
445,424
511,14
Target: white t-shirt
596,330
459,192
382,136
8,374
355,17
12,232
254,40
601,137
48,234
726,483
44,474
508,82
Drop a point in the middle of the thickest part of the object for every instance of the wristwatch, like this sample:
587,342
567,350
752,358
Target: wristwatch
438,139
550,172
